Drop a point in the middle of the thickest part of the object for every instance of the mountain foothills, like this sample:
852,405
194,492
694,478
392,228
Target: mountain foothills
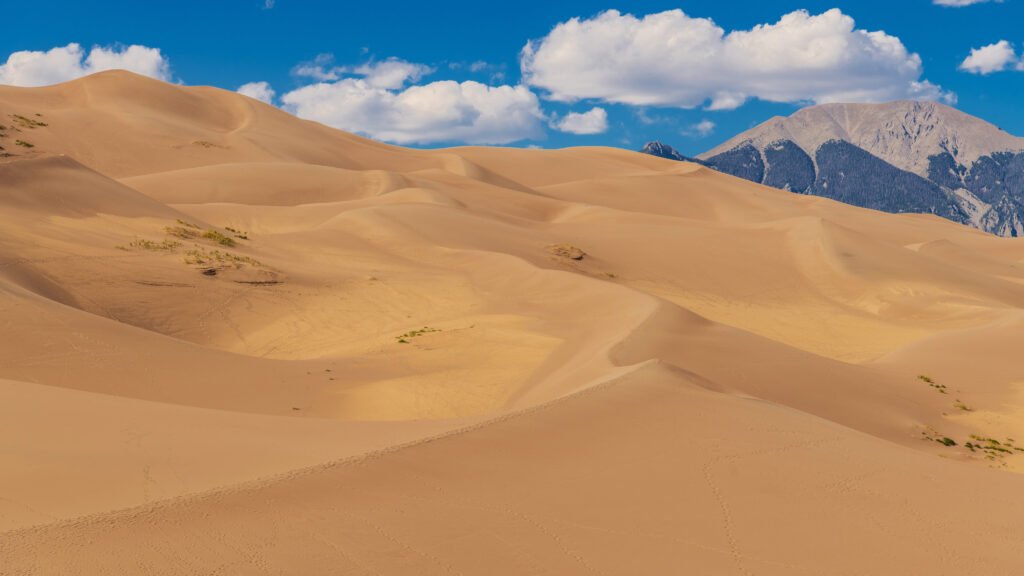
903,156
235,342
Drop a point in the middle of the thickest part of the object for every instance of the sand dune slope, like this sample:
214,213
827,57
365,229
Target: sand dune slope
645,475
235,342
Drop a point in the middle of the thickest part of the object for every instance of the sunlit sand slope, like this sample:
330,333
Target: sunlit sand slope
236,342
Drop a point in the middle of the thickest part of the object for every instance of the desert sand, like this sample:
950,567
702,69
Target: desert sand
236,342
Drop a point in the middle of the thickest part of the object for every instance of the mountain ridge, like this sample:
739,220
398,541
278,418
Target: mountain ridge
904,133
940,160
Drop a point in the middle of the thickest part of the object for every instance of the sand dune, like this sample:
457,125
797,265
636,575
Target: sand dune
236,342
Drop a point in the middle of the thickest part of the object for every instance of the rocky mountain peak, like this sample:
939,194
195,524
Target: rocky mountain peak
904,156
903,133
662,150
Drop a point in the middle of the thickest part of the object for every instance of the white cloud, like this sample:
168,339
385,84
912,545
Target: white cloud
992,58
594,121
672,59
259,90
961,3
322,68
391,74
63,63
444,111
702,129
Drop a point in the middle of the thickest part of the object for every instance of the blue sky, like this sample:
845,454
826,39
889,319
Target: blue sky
651,77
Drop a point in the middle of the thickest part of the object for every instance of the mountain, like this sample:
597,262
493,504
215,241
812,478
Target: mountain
665,151
902,156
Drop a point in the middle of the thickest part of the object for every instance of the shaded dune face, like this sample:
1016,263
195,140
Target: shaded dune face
236,341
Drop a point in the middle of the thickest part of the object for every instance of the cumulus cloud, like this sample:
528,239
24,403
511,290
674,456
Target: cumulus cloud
675,60
594,121
259,90
443,111
702,129
384,100
961,3
992,58
63,63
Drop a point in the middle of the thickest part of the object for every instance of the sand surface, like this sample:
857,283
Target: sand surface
235,342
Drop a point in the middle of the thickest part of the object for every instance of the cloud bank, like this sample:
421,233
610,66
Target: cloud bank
443,111
674,60
38,68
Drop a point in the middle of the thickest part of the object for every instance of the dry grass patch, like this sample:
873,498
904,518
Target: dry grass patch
238,233
162,246
404,338
183,232
219,238
28,123
204,257
940,388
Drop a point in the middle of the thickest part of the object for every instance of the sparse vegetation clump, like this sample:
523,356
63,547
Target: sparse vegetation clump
219,238
166,245
183,232
189,231
210,260
940,388
404,338
933,436
28,123
203,257
238,233
24,144
994,447
994,451
961,406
